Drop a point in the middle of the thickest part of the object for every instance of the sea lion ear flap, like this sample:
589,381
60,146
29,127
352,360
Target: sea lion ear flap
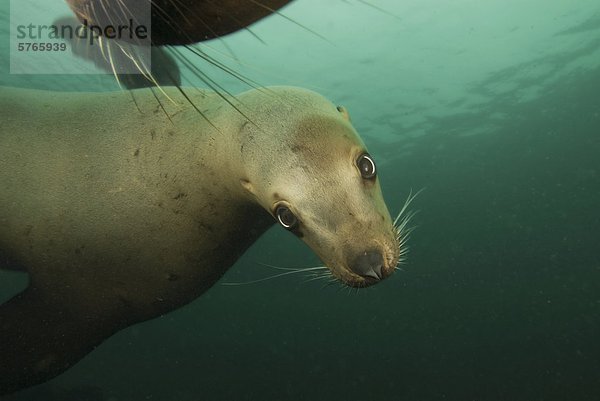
344,112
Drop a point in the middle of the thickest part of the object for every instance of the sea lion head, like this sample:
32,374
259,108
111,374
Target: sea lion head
315,176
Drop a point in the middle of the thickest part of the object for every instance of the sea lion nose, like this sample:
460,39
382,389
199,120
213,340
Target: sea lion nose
368,264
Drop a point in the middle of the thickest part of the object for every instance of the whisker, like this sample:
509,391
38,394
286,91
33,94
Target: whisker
375,7
161,105
168,18
403,232
112,65
294,268
273,11
328,284
321,272
264,278
317,277
402,228
211,83
209,28
223,67
407,203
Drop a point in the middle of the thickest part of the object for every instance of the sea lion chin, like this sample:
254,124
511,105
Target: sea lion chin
121,211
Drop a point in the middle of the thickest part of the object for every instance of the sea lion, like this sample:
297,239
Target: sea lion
121,212
124,28
178,22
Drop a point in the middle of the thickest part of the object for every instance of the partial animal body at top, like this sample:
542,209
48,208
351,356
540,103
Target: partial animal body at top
167,26
178,22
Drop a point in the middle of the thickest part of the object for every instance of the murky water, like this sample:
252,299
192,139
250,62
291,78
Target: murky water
494,108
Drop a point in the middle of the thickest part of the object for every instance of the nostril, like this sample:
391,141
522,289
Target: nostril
369,264
377,269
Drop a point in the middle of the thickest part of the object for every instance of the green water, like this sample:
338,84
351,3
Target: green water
494,108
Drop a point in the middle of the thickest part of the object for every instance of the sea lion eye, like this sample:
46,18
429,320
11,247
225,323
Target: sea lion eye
286,218
366,165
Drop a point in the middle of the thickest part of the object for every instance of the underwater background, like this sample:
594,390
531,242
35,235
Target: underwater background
493,107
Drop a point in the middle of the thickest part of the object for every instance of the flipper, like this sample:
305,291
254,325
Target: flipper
40,338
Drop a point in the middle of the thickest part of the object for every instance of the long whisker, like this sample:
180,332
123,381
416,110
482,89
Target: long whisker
287,273
321,276
277,12
407,203
380,9
329,283
295,268
402,230
262,279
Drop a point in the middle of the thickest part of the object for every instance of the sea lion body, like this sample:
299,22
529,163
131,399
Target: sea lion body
117,196
122,208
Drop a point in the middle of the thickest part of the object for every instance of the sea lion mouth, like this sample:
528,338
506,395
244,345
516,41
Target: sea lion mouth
370,267
379,262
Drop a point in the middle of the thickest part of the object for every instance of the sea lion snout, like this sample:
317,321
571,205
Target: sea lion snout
368,264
